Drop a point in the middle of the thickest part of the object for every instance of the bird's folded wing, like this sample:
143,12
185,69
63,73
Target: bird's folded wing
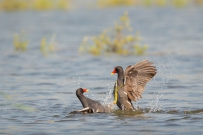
136,77
84,110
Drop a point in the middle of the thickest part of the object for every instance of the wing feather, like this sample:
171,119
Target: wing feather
136,77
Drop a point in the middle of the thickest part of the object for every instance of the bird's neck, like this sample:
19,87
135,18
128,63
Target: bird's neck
83,100
120,79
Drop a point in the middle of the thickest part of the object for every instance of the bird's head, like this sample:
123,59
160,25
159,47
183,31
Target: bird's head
84,90
117,69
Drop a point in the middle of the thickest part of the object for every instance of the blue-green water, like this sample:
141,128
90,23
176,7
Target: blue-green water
37,92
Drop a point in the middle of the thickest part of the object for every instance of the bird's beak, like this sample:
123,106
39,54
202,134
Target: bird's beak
85,90
113,72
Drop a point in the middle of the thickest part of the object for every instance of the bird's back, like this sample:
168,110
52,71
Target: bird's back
95,105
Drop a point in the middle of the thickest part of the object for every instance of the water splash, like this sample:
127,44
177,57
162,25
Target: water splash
108,99
165,72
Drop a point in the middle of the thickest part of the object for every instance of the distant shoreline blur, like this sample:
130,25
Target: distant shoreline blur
23,5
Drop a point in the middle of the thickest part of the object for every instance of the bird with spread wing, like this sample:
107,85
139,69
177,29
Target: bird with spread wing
131,83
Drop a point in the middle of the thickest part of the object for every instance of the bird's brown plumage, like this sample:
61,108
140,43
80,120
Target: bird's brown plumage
135,78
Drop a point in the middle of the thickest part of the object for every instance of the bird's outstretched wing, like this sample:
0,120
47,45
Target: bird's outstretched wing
136,77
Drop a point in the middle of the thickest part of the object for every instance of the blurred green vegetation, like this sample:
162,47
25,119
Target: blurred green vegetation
159,3
12,5
110,3
115,40
47,47
20,42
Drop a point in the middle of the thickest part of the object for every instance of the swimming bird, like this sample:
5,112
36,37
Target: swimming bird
90,106
131,83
